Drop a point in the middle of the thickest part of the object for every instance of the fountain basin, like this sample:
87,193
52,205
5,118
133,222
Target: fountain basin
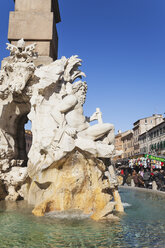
143,225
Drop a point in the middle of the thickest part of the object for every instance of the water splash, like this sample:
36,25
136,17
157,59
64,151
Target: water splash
68,214
125,204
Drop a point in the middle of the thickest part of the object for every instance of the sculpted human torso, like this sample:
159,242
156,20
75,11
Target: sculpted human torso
76,119
72,106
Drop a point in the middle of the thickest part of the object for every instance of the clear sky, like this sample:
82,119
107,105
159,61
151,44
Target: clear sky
122,45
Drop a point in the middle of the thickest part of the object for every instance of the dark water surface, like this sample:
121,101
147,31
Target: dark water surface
142,226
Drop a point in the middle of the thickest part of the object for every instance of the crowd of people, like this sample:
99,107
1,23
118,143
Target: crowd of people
143,177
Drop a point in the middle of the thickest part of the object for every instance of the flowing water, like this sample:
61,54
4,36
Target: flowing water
142,226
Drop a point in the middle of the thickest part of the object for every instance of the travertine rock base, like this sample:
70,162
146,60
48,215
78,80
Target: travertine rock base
118,206
75,182
3,192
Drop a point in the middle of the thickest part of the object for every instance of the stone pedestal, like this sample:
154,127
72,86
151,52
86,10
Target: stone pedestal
35,21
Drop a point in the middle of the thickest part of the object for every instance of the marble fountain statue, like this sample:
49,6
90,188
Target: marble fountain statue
67,166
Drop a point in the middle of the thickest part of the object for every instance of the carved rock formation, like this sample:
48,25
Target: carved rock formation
15,93
77,182
57,174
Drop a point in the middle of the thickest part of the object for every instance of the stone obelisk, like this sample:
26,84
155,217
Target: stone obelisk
35,21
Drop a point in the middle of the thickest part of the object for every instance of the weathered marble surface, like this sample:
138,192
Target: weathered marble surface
53,101
15,93
58,101
77,181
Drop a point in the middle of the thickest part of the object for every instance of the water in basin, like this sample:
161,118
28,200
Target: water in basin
143,225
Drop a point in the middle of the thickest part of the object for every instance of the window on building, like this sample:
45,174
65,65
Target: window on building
151,147
157,132
145,120
158,146
161,131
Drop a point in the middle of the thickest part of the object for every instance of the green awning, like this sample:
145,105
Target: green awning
154,157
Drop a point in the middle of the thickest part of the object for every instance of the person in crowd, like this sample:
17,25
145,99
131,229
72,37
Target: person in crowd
140,181
122,172
124,175
146,177
135,178
152,174
128,180
141,172
159,179
143,177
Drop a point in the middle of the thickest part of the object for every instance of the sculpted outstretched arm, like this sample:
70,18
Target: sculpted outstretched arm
92,117
67,103
96,116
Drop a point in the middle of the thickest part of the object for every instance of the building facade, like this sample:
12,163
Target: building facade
127,144
153,141
147,136
124,142
143,125
118,144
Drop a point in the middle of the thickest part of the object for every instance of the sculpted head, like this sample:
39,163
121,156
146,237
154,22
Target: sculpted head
80,89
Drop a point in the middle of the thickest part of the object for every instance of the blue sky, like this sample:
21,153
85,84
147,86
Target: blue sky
122,45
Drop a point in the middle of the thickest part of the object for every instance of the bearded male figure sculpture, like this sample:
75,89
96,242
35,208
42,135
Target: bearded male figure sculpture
65,168
60,104
101,133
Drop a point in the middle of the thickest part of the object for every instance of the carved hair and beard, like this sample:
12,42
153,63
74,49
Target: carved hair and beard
80,89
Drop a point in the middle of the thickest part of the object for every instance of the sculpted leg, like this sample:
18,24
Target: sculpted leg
110,137
97,131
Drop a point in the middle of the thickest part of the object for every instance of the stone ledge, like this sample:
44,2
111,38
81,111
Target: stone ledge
143,190
39,6
31,5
